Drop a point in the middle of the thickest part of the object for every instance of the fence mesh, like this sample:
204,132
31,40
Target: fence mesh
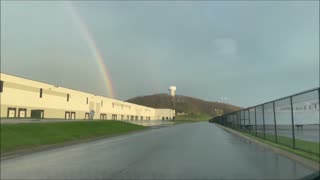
291,121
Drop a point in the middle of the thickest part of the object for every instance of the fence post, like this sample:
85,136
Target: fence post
240,121
264,129
275,122
249,121
319,106
292,123
255,119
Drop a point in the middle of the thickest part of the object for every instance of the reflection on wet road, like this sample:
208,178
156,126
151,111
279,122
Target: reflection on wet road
187,151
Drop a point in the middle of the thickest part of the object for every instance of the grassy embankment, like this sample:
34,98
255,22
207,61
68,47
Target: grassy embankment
306,149
194,117
29,135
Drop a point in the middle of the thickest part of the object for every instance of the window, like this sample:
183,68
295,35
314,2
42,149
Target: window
87,100
1,86
67,97
101,102
40,92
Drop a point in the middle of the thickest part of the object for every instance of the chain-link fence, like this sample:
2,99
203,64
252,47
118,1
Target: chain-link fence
292,121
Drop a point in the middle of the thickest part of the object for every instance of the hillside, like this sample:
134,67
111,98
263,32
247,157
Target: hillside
184,104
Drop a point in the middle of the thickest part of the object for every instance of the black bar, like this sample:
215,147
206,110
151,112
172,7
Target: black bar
255,119
249,120
292,120
275,122
240,120
264,129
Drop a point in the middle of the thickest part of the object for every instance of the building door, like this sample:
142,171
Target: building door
37,113
11,112
86,116
67,115
103,116
22,113
73,115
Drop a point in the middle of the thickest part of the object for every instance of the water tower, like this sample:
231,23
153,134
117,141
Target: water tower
172,90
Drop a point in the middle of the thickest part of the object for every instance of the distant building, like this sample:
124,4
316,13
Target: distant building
24,98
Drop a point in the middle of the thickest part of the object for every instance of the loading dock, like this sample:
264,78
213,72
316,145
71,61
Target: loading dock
37,113
22,113
73,115
86,116
103,116
11,112
67,115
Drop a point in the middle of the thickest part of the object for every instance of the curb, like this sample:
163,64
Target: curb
309,163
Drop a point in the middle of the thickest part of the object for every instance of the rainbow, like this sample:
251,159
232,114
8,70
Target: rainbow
93,48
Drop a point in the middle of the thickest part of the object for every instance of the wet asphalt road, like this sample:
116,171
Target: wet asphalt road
187,151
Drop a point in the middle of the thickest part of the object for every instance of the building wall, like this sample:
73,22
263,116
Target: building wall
23,93
164,114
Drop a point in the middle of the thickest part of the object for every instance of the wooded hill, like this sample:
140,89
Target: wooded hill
184,104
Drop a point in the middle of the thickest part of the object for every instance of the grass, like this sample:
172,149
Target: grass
194,117
29,135
306,149
184,121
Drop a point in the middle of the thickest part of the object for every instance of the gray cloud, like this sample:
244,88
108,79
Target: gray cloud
249,52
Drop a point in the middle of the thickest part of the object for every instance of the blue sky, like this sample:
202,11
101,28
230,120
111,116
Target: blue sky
250,52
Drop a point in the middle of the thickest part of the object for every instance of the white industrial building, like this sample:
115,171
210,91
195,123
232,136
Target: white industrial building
24,98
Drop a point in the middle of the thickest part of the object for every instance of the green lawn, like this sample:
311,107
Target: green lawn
28,135
194,117
307,149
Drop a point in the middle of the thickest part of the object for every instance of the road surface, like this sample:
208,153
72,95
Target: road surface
187,151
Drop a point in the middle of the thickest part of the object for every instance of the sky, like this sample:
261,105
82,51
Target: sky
248,51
